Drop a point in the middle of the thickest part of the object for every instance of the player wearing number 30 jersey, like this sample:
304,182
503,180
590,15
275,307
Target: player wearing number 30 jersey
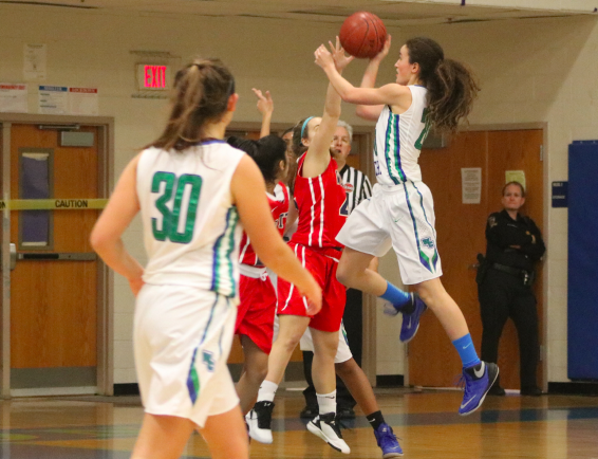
191,241
194,192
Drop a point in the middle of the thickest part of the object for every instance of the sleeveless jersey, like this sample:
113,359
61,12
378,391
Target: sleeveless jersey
321,202
399,140
190,225
279,206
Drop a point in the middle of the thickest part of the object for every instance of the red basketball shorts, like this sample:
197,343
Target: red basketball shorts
321,263
256,311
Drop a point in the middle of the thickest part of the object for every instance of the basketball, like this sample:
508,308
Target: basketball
362,34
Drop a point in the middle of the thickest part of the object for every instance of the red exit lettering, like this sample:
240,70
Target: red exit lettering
155,76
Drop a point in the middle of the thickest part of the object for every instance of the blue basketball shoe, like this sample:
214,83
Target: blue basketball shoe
387,441
478,381
411,320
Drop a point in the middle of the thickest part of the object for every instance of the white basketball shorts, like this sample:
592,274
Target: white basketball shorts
182,338
401,217
343,353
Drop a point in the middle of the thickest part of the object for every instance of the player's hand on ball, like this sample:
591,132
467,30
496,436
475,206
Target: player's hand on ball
384,52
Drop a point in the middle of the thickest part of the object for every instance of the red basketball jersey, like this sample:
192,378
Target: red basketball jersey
279,206
321,204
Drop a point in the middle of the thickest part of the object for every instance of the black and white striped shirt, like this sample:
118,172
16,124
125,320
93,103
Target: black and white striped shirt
357,186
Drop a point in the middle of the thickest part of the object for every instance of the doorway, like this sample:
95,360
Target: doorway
460,228
56,308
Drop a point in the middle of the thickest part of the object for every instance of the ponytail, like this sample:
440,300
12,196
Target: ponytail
201,93
451,85
452,91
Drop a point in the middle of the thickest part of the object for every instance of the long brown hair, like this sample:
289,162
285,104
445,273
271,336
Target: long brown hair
300,132
451,85
201,93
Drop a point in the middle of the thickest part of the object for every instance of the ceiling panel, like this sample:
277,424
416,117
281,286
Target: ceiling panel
393,12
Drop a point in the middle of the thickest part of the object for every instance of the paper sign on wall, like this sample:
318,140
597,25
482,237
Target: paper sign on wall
34,62
13,98
471,185
515,176
83,101
53,100
62,100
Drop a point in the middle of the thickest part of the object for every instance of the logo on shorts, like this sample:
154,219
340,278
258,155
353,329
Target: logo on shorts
208,360
428,242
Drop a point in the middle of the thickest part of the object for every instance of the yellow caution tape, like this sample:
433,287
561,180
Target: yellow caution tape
53,204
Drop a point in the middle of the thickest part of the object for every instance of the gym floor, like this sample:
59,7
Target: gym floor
551,426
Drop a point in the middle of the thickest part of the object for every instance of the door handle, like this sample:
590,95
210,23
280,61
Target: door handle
13,256
64,256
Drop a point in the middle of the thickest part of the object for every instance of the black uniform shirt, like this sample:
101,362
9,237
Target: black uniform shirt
502,232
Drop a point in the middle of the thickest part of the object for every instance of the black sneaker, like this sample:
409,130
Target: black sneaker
259,420
325,427
534,391
497,390
345,413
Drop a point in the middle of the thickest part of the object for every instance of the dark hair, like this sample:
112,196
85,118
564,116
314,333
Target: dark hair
451,86
266,152
286,131
504,188
300,132
201,93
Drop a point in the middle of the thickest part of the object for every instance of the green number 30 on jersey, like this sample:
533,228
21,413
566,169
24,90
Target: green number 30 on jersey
177,225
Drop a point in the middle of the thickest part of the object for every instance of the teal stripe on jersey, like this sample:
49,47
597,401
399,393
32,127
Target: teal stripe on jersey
387,144
392,149
344,332
422,256
223,280
193,385
421,202
205,332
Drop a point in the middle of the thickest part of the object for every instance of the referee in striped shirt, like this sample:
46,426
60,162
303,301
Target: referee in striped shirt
358,188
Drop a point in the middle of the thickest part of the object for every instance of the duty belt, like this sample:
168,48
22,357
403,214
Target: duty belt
526,275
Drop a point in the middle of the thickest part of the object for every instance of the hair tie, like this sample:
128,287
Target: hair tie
307,120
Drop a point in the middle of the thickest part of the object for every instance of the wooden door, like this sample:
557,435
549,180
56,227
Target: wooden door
53,301
508,151
433,360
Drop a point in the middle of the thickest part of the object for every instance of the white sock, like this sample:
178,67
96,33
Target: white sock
267,391
327,402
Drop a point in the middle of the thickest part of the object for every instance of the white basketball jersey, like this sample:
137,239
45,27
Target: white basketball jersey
399,140
190,225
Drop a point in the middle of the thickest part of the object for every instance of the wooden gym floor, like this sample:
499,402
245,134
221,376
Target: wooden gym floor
547,427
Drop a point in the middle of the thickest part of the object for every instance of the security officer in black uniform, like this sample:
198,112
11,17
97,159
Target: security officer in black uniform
505,277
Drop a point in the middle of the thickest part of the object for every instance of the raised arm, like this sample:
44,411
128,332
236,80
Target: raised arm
265,106
106,234
390,94
249,194
372,112
318,154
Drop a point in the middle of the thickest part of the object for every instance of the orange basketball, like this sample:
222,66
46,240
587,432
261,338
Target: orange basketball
363,34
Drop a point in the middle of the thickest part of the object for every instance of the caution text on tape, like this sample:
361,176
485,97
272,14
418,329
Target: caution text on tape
53,204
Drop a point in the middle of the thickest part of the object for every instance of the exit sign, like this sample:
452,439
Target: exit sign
153,77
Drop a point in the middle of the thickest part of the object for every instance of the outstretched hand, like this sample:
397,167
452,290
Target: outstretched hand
384,51
341,60
323,57
336,56
265,104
